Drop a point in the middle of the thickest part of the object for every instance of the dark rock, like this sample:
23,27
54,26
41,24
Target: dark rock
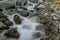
1,31
1,10
24,8
8,23
1,14
3,18
36,35
3,26
12,33
19,4
24,13
12,7
17,19
11,10
44,39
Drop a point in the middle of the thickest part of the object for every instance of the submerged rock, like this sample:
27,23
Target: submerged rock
36,35
17,19
40,27
12,33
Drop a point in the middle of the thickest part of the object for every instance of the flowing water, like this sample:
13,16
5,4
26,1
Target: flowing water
27,32
27,28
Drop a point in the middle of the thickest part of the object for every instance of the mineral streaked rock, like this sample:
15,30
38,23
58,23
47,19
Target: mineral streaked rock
17,19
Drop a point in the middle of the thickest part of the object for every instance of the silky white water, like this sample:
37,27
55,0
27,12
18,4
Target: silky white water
28,25
25,33
27,28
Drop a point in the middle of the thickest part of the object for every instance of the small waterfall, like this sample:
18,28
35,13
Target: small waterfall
27,27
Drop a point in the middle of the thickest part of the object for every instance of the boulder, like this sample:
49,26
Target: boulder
6,4
17,19
11,10
12,33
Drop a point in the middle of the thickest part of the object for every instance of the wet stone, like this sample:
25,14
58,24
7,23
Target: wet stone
3,18
6,4
1,31
24,13
12,33
39,27
8,23
3,26
11,10
34,1
36,35
17,19
44,39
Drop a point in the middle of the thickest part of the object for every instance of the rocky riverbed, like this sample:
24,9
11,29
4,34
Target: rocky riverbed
29,20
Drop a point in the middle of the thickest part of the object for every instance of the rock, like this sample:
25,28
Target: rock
45,19
8,23
40,27
44,39
1,14
3,26
1,10
3,18
1,31
12,33
34,1
5,38
11,10
17,19
21,1
24,13
36,35
6,4
40,7
19,4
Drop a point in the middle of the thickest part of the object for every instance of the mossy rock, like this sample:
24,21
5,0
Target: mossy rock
34,1
21,1
4,38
